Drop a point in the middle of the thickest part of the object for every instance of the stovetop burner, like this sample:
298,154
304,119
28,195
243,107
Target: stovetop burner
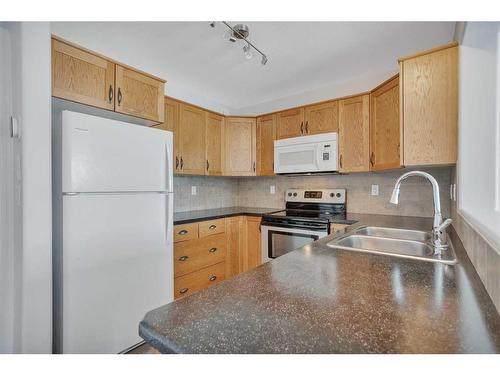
310,214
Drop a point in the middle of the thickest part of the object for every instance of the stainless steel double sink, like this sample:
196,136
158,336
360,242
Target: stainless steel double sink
403,243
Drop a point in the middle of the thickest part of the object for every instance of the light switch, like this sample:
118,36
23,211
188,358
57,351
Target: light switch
272,189
193,190
374,189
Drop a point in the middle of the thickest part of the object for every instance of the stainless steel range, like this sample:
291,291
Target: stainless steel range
307,217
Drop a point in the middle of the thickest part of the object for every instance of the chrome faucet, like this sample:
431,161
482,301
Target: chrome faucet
439,240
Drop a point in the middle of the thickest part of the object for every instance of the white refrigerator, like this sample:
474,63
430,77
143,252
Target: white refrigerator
113,251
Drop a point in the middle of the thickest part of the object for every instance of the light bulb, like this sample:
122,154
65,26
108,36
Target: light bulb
247,51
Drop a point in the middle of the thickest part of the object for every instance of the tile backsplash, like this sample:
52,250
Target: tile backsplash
211,192
216,192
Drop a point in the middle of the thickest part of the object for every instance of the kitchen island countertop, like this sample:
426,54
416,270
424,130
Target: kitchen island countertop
322,300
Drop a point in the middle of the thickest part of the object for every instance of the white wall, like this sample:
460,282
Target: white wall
479,145
31,105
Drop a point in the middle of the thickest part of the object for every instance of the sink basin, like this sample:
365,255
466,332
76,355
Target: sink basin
393,247
402,234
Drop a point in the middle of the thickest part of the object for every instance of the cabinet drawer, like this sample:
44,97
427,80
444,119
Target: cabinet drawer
184,232
195,281
190,256
210,227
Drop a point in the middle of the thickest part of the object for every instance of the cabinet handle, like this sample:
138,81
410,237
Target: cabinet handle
340,160
254,166
212,278
212,250
119,97
307,126
302,127
110,93
176,162
183,258
183,232
372,159
208,165
213,226
182,163
183,290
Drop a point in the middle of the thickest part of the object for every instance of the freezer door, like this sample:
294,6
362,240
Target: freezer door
117,264
102,155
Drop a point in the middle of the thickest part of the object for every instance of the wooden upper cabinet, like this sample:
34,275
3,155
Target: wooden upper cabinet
240,134
82,77
354,134
321,118
385,127
429,95
214,136
290,123
171,123
191,140
139,95
266,128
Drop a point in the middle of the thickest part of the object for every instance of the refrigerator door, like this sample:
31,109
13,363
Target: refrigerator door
102,155
117,265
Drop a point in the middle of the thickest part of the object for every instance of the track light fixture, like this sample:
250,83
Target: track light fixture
241,32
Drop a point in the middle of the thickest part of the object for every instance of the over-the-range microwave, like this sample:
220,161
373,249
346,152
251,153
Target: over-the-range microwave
307,154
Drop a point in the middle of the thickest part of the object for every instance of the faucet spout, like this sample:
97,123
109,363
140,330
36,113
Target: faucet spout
437,226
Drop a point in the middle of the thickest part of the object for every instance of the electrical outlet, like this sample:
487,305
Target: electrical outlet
272,189
193,190
374,189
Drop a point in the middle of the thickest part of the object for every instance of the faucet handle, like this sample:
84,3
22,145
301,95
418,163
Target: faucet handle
444,225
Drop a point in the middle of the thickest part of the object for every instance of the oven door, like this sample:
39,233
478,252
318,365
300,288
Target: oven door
277,241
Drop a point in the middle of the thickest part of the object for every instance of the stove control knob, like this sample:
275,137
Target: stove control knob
294,194
289,194
331,195
338,195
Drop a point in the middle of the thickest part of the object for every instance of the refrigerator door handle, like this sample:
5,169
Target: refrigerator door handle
168,166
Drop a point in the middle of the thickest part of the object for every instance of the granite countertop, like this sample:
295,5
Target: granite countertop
217,213
320,300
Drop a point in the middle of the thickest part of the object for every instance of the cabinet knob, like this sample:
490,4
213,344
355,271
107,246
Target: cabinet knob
212,250
183,290
212,278
213,226
307,127
183,232
119,97
183,258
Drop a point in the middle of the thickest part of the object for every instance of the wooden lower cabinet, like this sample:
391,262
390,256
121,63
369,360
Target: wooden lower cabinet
338,228
213,250
253,253
198,280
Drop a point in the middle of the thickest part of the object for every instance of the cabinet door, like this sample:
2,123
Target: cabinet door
290,123
191,140
385,127
253,253
430,107
240,146
354,134
235,244
139,95
214,134
322,118
266,127
171,123
82,77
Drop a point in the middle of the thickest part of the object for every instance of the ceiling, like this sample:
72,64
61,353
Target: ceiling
307,60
